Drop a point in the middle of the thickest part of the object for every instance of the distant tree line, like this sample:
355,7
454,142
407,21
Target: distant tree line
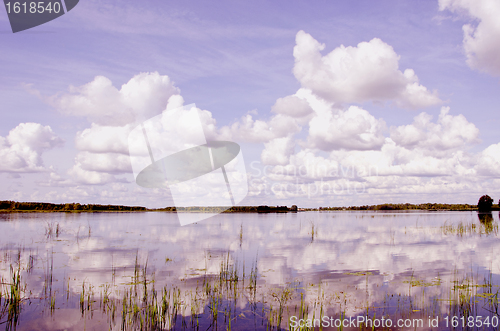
7,205
14,206
407,206
485,204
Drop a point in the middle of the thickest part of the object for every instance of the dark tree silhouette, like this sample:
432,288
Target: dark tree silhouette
484,204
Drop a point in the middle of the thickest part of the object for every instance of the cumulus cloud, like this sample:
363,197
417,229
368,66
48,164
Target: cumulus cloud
400,163
364,175
292,106
450,132
340,145
114,139
103,139
103,154
354,128
488,163
394,160
90,177
172,131
260,131
104,149
54,179
143,96
482,41
278,151
22,148
104,146
306,166
368,72
104,162
391,160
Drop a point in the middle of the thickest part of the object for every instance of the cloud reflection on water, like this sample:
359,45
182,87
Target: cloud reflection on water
357,259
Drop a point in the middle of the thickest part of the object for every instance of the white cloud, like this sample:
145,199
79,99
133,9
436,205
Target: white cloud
450,132
319,105
292,106
354,128
176,122
89,177
368,72
259,131
104,162
481,41
21,150
248,129
367,176
143,96
355,166
172,131
103,139
398,161
342,148
306,166
436,158
55,180
278,151
283,125
104,147
488,163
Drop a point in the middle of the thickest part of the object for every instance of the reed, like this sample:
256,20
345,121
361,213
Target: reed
215,301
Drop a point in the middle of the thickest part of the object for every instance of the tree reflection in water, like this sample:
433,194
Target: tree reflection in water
486,220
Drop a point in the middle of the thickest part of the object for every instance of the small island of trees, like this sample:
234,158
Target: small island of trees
485,203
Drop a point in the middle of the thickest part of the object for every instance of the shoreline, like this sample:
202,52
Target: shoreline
8,206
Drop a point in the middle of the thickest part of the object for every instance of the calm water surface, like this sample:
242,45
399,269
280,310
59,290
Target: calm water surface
102,271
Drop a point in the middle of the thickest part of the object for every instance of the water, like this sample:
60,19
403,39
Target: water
102,271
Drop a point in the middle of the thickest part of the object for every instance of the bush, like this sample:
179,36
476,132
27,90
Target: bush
484,204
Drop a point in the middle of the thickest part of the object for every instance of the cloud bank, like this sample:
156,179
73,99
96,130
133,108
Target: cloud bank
319,142
482,38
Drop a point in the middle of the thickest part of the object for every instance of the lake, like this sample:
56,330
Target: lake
307,270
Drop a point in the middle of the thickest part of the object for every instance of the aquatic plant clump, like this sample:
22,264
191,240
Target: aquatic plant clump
230,300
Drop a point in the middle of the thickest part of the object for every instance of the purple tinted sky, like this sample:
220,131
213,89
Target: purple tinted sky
229,57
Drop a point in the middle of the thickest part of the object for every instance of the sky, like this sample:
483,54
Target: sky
332,103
